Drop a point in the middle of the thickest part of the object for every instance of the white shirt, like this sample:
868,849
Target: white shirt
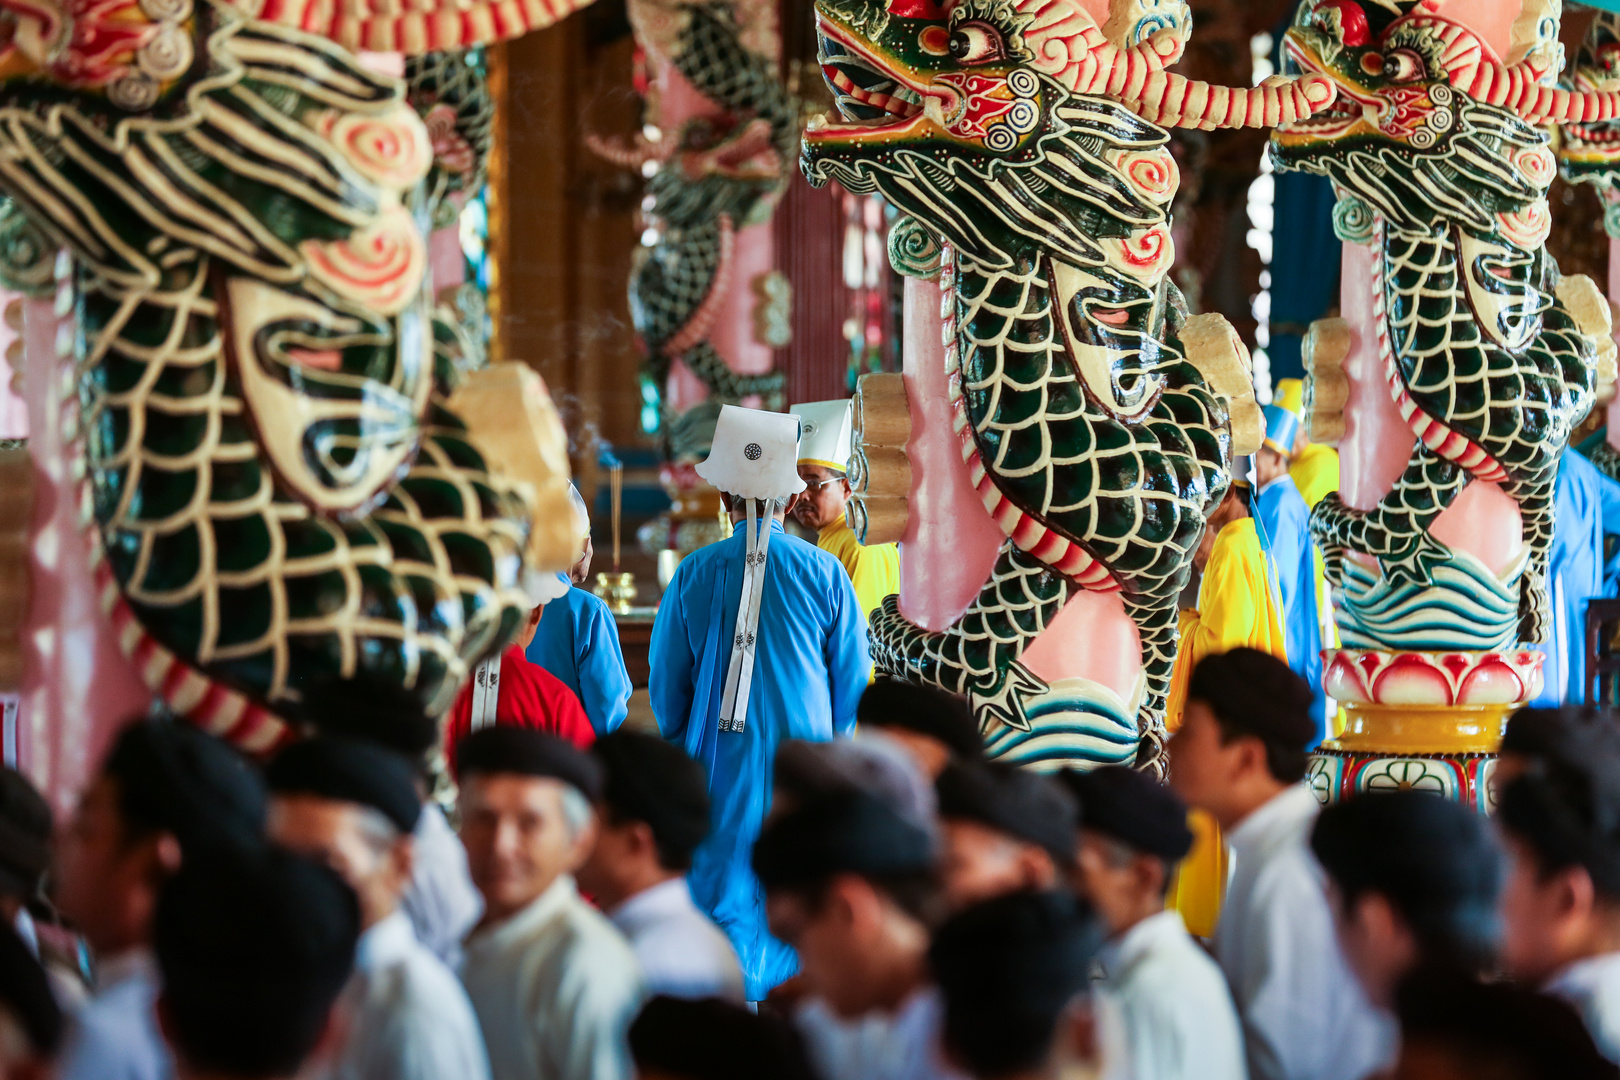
555,988
1593,987
681,951
441,902
405,1015
1304,1014
1178,1015
903,1045
114,1036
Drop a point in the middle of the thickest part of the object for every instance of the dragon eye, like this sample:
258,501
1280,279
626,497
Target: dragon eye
976,43
1404,65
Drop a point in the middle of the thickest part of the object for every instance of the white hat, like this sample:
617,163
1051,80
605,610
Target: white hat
827,435
754,454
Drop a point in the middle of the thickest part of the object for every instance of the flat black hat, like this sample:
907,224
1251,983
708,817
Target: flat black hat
176,778
845,832
1133,808
1257,694
25,834
348,770
506,749
647,779
927,710
1020,803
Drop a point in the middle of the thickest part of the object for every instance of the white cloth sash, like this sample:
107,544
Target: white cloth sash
740,671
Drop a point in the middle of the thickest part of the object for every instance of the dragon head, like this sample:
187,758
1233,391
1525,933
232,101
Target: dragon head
1015,125
1590,152
1428,124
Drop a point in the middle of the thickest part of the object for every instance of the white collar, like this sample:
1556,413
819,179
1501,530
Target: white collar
1582,974
515,927
388,942
136,963
1123,952
1290,807
664,898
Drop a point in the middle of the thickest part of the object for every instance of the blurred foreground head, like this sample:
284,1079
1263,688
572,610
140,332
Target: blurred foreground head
254,948
1015,973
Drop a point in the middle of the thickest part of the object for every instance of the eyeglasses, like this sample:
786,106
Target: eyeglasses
817,485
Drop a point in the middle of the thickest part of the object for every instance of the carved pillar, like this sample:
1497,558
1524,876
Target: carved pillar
1066,428
709,307
1451,385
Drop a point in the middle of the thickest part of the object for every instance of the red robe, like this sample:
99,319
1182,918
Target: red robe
531,697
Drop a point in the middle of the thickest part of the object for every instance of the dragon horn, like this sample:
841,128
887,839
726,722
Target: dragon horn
1069,46
1519,87
1175,101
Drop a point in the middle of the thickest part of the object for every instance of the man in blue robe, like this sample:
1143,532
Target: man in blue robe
759,639
1586,507
578,641
1285,519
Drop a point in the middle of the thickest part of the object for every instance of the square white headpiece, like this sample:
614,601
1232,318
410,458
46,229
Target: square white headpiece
754,454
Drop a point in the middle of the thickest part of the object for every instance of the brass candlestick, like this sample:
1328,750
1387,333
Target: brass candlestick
618,588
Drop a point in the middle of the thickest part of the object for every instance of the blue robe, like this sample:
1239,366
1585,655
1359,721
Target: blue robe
1586,506
578,641
1286,519
811,666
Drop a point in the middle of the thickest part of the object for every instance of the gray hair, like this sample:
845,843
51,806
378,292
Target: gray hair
576,810
766,506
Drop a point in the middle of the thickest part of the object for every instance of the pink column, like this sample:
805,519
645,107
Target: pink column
78,687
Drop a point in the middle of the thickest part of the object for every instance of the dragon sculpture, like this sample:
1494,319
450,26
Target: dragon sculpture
280,492
1589,152
1439,155
1024,145
715,172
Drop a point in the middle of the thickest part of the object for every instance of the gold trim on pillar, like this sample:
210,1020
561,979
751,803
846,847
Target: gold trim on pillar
496,177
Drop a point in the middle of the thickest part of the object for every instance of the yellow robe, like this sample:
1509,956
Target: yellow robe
1315,472
874,570
1238,604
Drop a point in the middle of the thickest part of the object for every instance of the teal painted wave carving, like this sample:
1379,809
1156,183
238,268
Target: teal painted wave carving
1075,723
1465,607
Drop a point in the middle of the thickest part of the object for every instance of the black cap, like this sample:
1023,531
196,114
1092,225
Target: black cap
506,749
254,947
927,710
1020,803
710,1039
1007,969
1497,1029
1254,693
1535,733
1133,808
848,832
1434,860
347,770
369,707
25,993
649,780
25,835
174,778
1566,806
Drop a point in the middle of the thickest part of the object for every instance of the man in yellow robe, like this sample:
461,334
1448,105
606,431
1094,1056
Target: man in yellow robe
1238,604
825,443
1314,467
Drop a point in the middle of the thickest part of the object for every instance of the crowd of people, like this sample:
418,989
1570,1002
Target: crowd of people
199,918
808,874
